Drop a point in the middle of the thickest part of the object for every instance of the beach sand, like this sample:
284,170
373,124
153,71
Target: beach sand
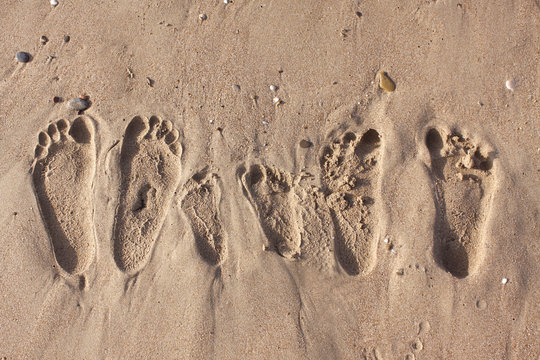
241,186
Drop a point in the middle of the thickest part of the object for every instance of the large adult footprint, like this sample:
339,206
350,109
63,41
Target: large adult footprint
201,205
269,191
150,173
63,175
461,176
350,169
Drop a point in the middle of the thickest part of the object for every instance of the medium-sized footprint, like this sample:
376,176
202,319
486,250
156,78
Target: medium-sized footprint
201,205
351,169
63,177
461,174
269,190
150,173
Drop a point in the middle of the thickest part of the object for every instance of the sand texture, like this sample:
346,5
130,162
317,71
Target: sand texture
270,179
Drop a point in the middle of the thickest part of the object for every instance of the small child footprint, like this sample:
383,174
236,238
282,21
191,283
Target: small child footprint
462,185
201,205
351,169
63,176
150,173
269,190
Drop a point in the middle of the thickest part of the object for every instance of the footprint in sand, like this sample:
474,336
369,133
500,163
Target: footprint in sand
461,174
150,173
270,192
350,170
63,175
201,205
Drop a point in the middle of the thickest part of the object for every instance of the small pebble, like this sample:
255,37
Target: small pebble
78,104
236,87
273,88
203,17
277,101
510,85
304,144
43,40
22,57
54,2
57,99
417,345
67,38
385,82
481,304
264,122
211,121
504,280
227,1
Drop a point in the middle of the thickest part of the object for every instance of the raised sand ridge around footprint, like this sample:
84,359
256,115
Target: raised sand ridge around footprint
462,185
63,176
150,173
201,205
350,170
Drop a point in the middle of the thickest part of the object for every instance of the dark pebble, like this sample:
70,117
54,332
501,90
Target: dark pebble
304,144
66,38
78,104
43,40
22,56
57,99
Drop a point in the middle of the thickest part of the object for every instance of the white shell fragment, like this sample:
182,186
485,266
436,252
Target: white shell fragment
510,85
273,87
264,122
504,280
277,101
54,2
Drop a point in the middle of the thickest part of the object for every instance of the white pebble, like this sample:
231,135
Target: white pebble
54,2
211,121
226,1
277,101
203,17
265,122
510,85
273,87
386,240
504,280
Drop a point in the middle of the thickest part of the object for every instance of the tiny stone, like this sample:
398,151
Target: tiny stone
211,121
417,345
504,280
43,40
236,87
57,99
510,85
227,1
358,13
273,88
264,122
481,304
277,101
304,144
54,2
22,57
385,82
424,327
78,104
67,38
203,17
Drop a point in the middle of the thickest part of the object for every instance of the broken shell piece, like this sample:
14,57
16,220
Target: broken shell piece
277,101
385,82
511,85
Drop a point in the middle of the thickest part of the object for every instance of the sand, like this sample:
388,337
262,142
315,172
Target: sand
242,186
